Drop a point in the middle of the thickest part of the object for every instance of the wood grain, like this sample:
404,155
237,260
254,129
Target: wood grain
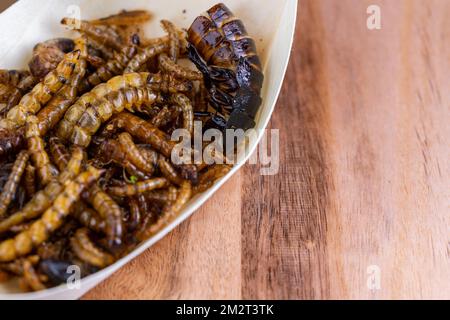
364,174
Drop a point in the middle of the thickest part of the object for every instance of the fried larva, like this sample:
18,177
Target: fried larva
87,251
134,154
13,182
140,187
32,102
75,112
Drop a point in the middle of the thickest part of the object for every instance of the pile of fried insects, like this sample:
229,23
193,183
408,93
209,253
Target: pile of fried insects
85,143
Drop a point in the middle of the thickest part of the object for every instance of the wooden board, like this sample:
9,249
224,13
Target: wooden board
363,188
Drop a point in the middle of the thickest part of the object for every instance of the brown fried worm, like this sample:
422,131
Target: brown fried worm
50,115
6,91
170,211
174,41
53,111
135,216
11,141
32,102
144,132
89,218
25,85
100,48
103,34
58,152
75,112
51,220
12,77
11,185
147,133
110,212
150,155
99,112
207,178
165,196
143,56
169,172
110,150
140,187
134,155
113,67
186,107
36,145
31,277
30,180
87,251
152,48
176,70
165,116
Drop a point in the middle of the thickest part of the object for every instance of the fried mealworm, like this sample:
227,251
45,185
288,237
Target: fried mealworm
100,48
36,147
209,177
174,41
58,152
165,116
150,155
74,113
6,91
165,196
134,155
87,251
103,34
136,63
186,107
130,190
12,77
176,70
50,115
110,212
13,182
170,211
11,141
31,277
135,216
89,218
31,103
167,84
113,67
51,220
169,172
30,180
22,88
144,132
129,98
110,150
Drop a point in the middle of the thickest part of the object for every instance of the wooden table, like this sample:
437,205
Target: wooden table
360,207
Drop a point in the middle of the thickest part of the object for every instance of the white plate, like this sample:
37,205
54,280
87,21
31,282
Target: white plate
270,23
